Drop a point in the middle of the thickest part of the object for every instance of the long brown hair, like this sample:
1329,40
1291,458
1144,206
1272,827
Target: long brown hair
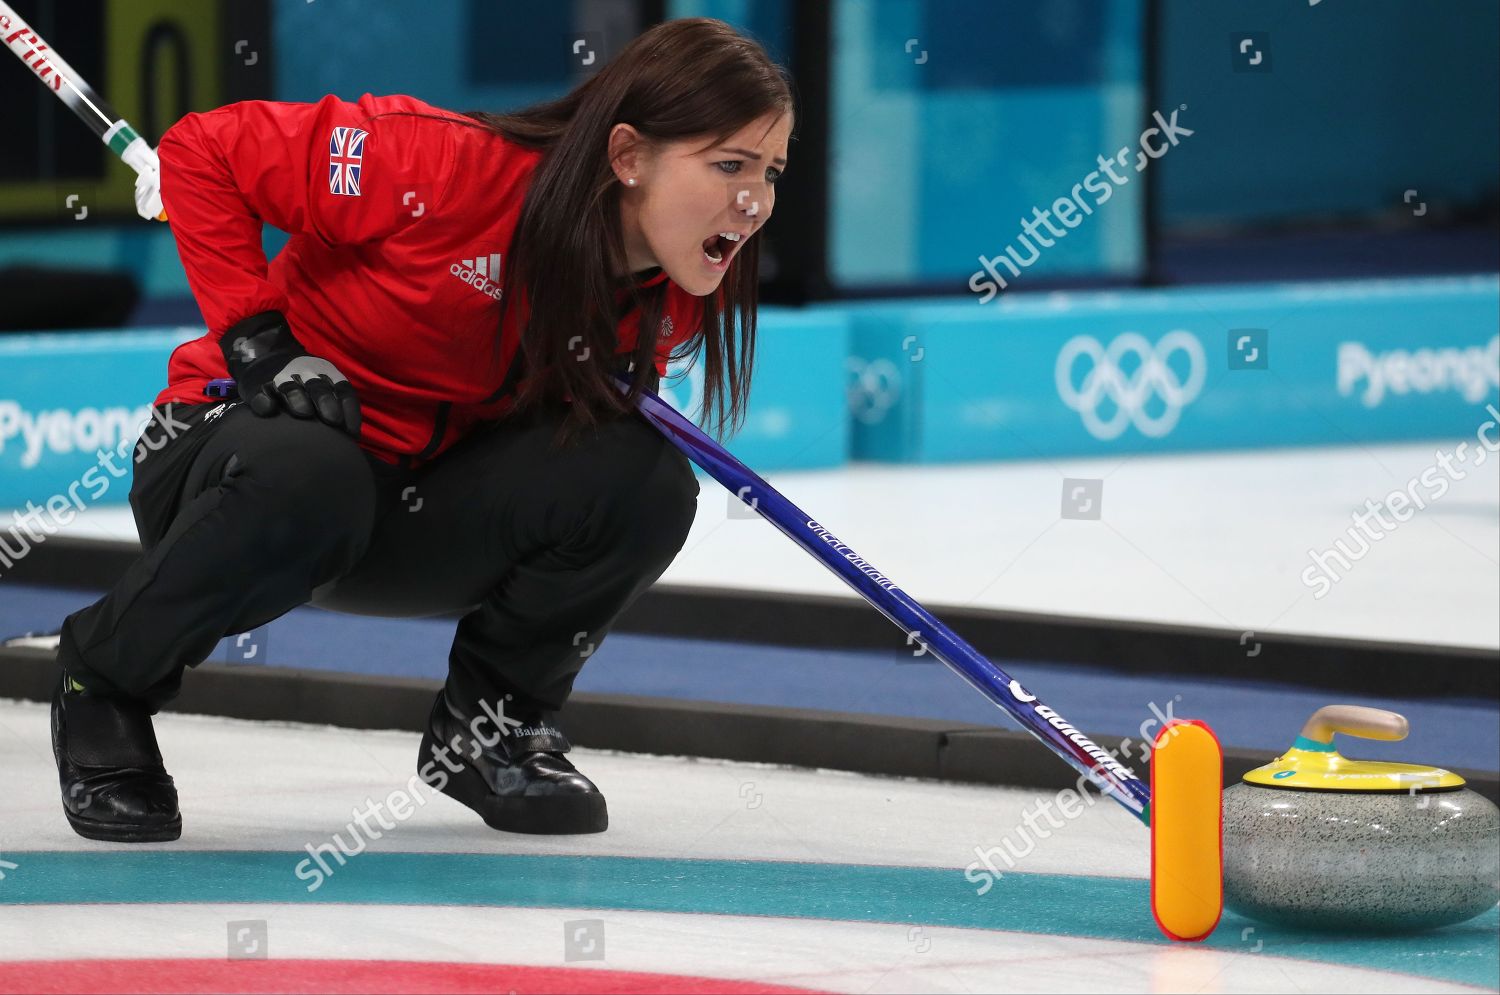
683,79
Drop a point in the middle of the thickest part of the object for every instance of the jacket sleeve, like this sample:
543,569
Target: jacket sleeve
224,172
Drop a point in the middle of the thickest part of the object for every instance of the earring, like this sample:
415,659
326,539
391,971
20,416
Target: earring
630,182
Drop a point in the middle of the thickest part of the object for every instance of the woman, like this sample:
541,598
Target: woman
428,418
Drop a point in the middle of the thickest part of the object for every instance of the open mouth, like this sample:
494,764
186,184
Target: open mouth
720,247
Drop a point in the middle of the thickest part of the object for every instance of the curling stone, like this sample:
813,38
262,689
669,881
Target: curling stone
1318,841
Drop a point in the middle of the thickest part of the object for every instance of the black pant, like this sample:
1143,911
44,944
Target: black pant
243,518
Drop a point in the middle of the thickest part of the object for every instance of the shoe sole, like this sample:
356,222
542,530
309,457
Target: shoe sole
554,815
114,832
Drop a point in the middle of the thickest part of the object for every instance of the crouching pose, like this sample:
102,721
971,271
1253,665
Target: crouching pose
427,417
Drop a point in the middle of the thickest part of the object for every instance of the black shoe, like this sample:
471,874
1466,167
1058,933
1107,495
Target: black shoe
521,783
114,786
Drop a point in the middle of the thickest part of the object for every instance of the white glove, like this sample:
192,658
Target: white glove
148,194
142,158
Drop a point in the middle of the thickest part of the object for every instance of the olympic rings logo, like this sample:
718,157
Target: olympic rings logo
1130,394
874,389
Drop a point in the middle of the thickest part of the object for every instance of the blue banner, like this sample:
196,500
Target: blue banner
1158,371
797,418
72,405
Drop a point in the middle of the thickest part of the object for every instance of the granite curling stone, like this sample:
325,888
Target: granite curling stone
1315,840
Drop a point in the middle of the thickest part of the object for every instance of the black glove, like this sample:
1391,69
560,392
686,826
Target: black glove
274,371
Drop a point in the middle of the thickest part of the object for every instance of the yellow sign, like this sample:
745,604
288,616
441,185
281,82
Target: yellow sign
162,59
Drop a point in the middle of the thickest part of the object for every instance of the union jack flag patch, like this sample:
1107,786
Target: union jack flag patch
346,147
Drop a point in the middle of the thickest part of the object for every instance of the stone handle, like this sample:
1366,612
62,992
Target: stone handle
1354,720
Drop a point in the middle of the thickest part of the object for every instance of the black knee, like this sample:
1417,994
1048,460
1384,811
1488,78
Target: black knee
310,487
650,497
668,495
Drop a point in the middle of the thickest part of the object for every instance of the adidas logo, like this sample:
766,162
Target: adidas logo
481,273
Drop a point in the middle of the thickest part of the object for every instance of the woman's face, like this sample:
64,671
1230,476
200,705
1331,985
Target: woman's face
691,210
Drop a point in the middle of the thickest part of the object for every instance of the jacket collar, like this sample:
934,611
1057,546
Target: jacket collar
649,278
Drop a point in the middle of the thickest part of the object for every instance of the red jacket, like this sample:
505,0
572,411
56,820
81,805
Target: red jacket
399,228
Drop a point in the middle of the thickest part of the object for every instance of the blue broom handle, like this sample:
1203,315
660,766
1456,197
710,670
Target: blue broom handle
1085,756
